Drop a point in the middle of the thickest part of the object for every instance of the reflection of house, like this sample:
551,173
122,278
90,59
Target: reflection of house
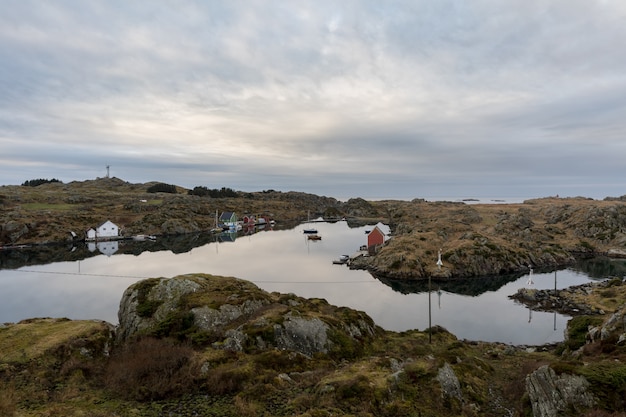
106,230
106,247
229,236
375,239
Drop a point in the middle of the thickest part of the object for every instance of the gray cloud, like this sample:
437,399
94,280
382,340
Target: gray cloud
395,99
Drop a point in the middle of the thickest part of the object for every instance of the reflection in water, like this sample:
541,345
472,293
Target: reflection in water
470,286
72,282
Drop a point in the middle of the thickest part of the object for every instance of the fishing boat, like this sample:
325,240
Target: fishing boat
314,237
342,260
216,228
310,230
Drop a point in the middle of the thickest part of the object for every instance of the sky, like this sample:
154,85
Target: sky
373,99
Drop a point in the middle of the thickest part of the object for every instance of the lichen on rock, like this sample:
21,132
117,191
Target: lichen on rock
234,314
552,395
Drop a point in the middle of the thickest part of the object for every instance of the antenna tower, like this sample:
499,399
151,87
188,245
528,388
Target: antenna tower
108,171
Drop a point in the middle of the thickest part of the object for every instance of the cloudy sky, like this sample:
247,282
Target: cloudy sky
399,99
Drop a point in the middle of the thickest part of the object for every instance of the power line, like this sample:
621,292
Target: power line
140,277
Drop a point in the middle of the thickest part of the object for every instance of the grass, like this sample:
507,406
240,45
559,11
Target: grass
48,206
152,377
29,339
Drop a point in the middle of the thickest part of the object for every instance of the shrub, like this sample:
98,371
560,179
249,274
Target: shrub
577,329
162,188
37,182
228,378
213,192
608,383
151,369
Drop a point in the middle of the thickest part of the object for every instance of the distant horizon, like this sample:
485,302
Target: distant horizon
497,199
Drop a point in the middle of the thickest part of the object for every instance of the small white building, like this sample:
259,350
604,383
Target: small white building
106,230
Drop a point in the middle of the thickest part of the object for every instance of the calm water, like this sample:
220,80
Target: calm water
283,261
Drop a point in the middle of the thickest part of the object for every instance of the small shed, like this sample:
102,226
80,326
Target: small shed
91,234
375,239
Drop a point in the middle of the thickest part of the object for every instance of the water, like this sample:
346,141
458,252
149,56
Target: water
89,285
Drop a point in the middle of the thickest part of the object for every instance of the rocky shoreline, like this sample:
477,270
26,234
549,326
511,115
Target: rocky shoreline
475,240
199,344
564,301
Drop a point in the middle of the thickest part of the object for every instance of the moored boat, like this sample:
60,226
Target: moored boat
342,260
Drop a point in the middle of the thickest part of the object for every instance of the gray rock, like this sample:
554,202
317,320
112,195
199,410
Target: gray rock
450,385
210,319
307,336
236,315
235,341
14,229
552,395
164,292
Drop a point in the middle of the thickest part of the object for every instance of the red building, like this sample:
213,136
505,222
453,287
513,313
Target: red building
375,239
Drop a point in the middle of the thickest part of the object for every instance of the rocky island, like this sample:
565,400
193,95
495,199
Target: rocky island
200,344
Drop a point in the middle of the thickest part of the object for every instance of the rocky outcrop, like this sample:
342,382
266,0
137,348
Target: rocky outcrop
564,301
554,395
612,328
13,231
234,314
147,303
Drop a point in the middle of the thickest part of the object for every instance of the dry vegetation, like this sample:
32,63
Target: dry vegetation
57,367
152,377
494,239
475,239
47,213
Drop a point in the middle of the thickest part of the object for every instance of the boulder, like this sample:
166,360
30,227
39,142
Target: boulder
14,230
553,395
450,385
233,314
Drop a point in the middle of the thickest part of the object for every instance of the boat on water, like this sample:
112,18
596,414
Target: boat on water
342,260
216,228
314,237
141,238
309,230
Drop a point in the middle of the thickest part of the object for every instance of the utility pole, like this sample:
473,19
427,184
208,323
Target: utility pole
107,171
430,326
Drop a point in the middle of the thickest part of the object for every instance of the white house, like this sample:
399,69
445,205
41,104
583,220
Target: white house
106,230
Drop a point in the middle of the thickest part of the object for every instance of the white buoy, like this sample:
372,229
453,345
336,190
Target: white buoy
530,277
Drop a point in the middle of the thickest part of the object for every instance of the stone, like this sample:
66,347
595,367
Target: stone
236,315
450,385
553,395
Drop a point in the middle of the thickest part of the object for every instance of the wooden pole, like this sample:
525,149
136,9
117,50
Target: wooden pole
430,327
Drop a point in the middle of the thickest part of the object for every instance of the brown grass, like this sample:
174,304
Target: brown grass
8,400
152,369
